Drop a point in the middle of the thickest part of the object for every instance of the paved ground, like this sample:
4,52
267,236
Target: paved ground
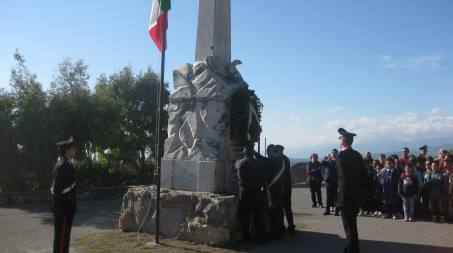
28,228
325,233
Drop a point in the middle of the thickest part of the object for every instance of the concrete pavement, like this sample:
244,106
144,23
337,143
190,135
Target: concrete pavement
28,228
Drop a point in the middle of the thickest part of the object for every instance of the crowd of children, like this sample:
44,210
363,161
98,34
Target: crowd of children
420,187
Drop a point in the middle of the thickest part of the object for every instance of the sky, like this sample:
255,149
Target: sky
381,69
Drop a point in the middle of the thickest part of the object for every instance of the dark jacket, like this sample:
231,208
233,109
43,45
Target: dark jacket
314,172
352,178
331,176
272,167
434,182
389,179
63,187
287,173
407,185
251,176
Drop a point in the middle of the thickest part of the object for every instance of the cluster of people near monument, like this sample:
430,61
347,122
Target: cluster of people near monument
265,190
265,194
404,187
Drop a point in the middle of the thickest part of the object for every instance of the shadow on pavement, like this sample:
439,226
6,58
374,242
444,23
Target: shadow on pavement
97,213
314,242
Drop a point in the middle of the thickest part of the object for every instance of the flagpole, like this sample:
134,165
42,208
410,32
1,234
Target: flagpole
159,129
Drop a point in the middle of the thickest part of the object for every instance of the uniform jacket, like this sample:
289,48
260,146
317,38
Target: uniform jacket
352,178
63,187
251,176
272,167
287,174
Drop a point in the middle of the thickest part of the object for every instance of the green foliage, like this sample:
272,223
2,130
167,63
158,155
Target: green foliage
113,124
241,100
8,148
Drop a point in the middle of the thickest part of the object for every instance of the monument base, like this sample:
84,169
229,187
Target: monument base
199,176
200,217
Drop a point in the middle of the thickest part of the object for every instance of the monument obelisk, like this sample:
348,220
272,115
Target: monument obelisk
214,30
198,153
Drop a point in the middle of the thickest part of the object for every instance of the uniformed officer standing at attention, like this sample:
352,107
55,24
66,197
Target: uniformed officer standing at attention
64,195
252,182
352,188
274,168
287,192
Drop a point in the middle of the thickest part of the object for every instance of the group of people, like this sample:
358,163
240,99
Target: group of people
404,187
265,190
418,186
264,194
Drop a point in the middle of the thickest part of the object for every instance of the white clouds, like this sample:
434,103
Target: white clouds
336,109
424,62
435,110
297,118
399,128
408,126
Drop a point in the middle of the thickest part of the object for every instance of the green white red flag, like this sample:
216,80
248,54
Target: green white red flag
158,22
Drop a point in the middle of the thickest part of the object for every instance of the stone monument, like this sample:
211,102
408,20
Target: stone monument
199,153
198,203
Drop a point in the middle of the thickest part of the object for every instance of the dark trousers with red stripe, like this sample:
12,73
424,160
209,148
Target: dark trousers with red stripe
62,232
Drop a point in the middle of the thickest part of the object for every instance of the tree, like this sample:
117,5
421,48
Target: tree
138,97
114,125
70,104
30,125
8,149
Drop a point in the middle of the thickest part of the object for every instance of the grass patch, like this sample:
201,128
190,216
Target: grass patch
116,241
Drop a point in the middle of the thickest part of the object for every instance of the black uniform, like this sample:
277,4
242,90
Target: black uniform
331,185
287,195
273,167
251,180
64,203
352,188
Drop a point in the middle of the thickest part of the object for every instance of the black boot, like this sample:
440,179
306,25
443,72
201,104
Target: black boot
292,229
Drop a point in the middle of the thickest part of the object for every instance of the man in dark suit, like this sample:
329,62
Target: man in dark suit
274,169
64,195
252,184
287,192
352,188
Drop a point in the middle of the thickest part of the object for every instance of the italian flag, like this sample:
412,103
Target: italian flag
159,21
